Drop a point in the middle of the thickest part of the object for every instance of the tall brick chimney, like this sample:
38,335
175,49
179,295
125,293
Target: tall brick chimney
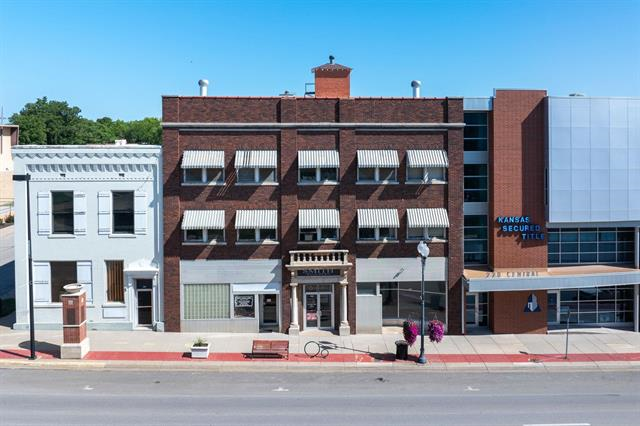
332,80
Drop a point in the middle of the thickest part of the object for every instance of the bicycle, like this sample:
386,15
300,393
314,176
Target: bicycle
313,349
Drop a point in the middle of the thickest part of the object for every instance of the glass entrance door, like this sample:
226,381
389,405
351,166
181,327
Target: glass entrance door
318,307
553,307
144,293
269,312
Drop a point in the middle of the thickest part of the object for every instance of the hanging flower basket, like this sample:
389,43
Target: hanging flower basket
435,330
410,331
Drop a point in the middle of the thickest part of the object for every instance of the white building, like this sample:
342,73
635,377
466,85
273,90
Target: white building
96,219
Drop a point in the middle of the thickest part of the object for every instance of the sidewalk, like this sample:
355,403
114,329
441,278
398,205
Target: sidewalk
587,348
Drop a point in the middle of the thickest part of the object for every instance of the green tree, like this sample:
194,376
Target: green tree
54,122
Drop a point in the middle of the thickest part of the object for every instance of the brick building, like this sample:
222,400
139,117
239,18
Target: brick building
292,213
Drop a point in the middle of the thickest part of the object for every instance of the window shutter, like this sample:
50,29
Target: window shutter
41,282
140,213
84,278
104,212
79,213
44,213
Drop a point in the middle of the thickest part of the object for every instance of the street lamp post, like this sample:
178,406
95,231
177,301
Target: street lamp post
32,333
423,250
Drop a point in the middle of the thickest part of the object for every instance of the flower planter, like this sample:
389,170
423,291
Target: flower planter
200,352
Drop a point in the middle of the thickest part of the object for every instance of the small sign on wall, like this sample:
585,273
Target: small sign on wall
532,304
243,301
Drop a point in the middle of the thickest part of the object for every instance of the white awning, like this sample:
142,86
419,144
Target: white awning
400,269
267,288
427,218
251,219
203,219
319,218
317,158
378,158
378,218
267,159
201,159
427,158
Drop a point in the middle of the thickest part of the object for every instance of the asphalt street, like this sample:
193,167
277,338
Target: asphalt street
324,398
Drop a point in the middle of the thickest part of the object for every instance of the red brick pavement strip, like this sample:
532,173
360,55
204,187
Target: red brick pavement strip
364,358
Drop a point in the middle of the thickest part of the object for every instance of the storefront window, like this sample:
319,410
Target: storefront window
244,306
401,301
596,305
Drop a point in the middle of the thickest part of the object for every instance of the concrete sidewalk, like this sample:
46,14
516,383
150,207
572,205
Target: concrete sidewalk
586,347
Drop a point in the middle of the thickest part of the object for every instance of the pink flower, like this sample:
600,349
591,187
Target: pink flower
435,330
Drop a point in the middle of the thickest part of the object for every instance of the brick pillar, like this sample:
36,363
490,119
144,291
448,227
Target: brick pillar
74,325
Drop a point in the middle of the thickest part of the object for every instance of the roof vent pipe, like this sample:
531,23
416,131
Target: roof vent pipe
416,88
204,84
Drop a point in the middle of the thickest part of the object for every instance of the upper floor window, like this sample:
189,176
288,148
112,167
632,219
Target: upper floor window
203,226
62,212
427,166
378,166
475,131
318,224
203,167
318,166
426,234
475,183
378,224
123,212
256,167
429,224
203,235
256,225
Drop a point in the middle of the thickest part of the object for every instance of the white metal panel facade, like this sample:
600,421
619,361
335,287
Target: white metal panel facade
594,159
400,269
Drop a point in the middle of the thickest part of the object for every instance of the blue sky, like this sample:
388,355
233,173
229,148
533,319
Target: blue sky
117,58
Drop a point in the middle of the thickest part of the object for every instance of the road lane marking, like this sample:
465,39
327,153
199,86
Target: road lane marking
557,424
280,389
470,389
87,388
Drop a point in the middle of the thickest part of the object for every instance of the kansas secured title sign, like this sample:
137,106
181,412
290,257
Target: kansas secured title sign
520,225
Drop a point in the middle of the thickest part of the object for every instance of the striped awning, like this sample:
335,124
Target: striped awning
378,158
202,159
317,158
427,218
251,219
203,219
378,218
319,218
267,159
427,158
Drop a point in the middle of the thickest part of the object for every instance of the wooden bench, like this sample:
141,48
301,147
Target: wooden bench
269,348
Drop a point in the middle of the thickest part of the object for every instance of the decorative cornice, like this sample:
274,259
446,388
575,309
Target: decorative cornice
89,168
311,126
20,153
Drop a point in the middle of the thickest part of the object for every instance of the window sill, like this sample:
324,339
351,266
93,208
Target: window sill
326,183
431,240
430,182
197,243
61,236
319,242
202,184
48,305
256,184
377,241
373,182
257,243
122,235
114,305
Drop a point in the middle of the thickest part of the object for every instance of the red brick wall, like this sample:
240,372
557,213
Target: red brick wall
507,312
288,197
332,84
517,157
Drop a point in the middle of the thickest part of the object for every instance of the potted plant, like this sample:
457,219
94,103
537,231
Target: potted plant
410,333
200,349
435,330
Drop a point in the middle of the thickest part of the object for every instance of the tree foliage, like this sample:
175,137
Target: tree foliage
46,122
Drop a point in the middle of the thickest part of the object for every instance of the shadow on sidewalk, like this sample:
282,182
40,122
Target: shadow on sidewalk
43,347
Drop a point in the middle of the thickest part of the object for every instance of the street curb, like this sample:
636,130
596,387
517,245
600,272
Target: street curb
292,367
